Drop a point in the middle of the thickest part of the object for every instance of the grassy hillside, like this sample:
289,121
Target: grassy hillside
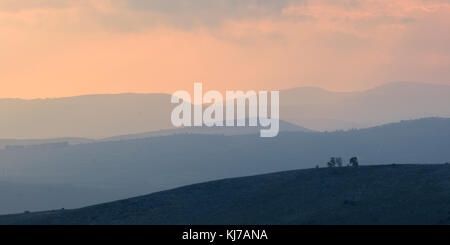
386,194
18,197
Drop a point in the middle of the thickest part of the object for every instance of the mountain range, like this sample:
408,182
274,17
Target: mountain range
215,130
104,116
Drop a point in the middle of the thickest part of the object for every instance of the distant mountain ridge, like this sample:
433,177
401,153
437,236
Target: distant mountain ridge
103,116
318,109
387,195
32,142
88,116
215,130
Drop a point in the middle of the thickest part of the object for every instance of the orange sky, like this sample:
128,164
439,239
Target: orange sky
55,48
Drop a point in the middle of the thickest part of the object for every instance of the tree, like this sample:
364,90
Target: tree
339,161
354,162
332,162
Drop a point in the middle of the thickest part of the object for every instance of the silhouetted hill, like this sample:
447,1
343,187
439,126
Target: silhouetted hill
390,194
103,116
18,196
227,131
140,166
30,142
319,109
87,116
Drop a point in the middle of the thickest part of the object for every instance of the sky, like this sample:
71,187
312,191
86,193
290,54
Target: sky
58,48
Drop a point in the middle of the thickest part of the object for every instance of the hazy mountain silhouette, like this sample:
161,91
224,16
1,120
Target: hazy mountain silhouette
140,166
88,116
103,116
215,130
319,109
30,142
391,194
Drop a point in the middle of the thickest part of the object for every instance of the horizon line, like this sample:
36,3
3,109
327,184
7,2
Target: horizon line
286,89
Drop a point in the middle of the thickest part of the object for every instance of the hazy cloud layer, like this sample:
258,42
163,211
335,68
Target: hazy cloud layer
66,47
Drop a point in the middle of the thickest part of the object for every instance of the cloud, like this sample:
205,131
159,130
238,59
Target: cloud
218,8
189,14
124,15
14,5
92,46
352,16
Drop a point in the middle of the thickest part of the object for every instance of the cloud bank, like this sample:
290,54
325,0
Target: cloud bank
66,47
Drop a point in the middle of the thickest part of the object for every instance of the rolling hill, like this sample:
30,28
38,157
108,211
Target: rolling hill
140,166
18,196
226,131
33,142
389,194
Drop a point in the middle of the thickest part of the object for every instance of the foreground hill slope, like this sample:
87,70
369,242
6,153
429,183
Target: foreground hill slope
387,194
